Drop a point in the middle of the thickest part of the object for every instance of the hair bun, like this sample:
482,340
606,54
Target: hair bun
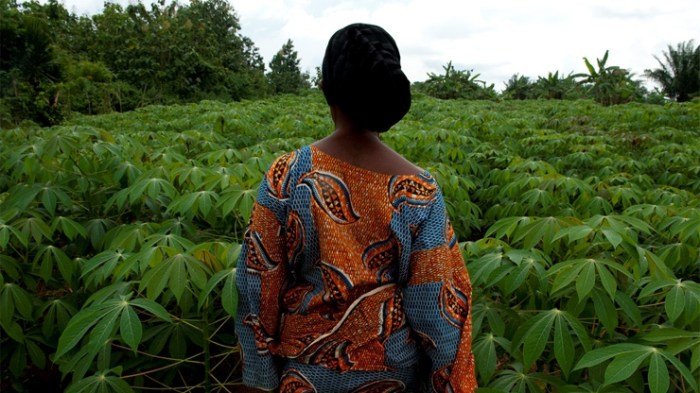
362,75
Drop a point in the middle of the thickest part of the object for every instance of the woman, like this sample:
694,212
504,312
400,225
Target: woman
351,278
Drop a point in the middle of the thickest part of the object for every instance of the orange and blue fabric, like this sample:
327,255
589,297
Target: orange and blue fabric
351,280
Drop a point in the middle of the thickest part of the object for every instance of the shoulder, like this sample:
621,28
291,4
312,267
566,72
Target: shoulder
278,177
396,163
419,191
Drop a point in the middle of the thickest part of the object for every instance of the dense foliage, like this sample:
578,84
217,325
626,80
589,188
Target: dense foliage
551,87
54,62
456,84
609,85
285,76
580,225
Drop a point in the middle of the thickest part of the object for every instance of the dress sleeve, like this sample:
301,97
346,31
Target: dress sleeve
260,276
438,302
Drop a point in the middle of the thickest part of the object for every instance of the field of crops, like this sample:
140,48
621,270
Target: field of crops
580,225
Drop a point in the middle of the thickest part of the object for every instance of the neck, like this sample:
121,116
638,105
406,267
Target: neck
346,131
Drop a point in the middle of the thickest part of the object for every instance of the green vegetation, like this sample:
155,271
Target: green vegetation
609,85
580,223
456,84
54,63
679,74
285,76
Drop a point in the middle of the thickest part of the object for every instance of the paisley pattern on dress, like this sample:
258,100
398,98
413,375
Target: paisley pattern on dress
380,257
277,177
332,195
293,381
262,338
294,297
294,238
415,191
330,354
337,284
393,317
257,257
383,386
441,380
453,305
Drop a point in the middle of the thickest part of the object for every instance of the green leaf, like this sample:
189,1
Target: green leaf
86,385
568,273
178,276
35,228
605,310
155,280
104,330
536,337
6,230
597,356
18,362
21,299
69,227
675,302
47,256
108,293
229,294
658,374
613,237
36,355
152,307
687,375
177,344
629,307
506,226
485,351
103,265
130,328
78,364
624,365
664,334
13,330
56,314
563,346
657,267
515,280
607,279
211,284
575,233
586,280
118,385
76,329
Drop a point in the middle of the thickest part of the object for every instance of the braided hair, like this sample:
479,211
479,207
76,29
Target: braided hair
362,75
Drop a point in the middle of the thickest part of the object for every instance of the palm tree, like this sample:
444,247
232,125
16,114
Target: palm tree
679,75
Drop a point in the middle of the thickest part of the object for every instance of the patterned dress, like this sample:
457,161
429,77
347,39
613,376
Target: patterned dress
352,281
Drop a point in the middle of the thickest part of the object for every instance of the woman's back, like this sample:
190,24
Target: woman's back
333,281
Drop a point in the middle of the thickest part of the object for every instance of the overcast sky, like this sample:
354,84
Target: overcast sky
495,38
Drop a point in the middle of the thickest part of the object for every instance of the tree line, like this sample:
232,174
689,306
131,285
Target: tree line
678,75
54,62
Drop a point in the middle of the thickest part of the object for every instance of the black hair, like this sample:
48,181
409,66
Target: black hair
362,75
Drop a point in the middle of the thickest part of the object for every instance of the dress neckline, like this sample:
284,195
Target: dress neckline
353,167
